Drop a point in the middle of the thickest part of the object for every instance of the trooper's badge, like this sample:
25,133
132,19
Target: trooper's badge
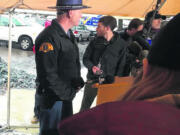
46,47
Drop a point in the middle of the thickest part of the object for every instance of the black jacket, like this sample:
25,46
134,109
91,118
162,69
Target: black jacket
151,35
133,51
114,57
93,54
56,68
110,55
138,37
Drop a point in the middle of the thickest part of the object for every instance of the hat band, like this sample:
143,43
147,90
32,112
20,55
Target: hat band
68,2
69,7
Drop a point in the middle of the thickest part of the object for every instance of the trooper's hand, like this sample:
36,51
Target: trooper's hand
77,83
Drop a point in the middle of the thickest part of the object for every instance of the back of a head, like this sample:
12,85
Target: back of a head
165,50
109,21
135,23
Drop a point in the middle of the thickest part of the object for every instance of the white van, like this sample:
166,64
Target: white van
21,33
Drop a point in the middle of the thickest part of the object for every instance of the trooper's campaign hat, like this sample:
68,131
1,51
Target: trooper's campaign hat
69,5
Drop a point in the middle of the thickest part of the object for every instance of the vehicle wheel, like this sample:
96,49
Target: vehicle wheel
25,43
80,38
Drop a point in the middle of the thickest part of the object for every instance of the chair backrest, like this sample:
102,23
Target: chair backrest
110,92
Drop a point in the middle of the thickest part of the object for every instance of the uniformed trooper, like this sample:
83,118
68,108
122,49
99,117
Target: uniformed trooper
58,66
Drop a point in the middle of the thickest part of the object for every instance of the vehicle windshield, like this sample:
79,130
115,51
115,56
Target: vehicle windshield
4,21
17,22
79,27
33,21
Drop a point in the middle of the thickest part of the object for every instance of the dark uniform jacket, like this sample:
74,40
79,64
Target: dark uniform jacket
57,63
110,55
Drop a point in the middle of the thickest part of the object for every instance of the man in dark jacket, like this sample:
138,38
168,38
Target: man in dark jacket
132,33
58,66
136,44
104,56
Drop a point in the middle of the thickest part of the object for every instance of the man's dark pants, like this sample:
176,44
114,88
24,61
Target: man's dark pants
89,96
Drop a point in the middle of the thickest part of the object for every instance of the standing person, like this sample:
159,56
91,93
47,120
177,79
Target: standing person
137,46
58,66
131,33
160,79
102,56
154,24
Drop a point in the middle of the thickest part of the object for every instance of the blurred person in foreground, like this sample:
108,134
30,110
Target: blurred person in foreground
159,88
58,66
104,57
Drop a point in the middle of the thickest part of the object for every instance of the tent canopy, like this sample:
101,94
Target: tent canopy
127,8
131,8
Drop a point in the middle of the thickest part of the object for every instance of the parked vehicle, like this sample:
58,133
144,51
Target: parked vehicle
21,33
81,32
92,35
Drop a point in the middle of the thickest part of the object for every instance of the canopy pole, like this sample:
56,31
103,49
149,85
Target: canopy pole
9,71
11,11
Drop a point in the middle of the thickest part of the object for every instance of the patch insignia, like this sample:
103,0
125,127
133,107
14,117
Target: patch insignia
46,47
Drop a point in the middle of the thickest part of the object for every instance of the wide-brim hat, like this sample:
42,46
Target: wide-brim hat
69,5
165,50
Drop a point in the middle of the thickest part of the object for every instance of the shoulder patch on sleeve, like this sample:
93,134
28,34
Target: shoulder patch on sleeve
46,47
